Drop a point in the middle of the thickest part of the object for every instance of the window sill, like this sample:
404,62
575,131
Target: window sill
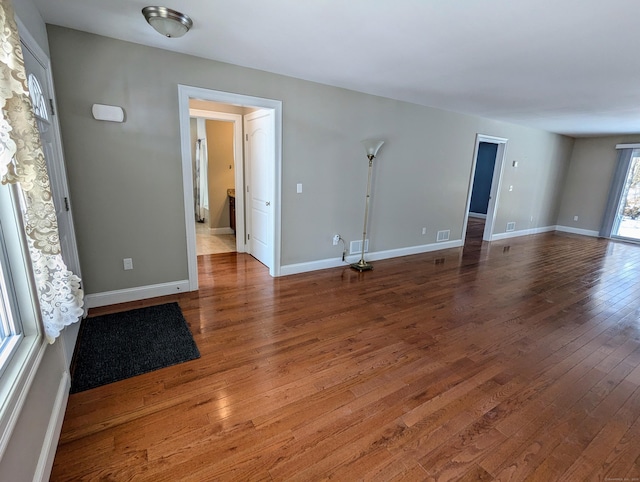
16,382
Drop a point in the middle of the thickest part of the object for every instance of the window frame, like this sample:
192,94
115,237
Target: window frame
21,368
10,326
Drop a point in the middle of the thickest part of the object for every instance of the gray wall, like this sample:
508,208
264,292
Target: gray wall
21,457
220,141
27,12
126,178
589,179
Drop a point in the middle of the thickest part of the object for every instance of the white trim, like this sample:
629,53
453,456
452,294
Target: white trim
627,146
135,294
69,339
184,93
375,256
187,182
214,231
625,240
20,372
50,443
583,232
477,215
523,232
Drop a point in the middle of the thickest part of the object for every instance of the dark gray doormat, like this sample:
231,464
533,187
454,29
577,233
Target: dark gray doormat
122,345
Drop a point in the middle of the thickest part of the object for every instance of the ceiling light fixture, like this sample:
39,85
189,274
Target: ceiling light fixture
167,22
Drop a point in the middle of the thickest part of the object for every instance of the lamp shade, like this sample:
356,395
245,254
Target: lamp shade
372,146
167,22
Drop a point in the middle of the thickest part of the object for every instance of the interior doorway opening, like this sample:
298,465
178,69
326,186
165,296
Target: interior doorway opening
488,161
217,162
267,150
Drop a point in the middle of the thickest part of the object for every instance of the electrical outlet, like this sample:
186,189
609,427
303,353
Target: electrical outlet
575,218
128,263
424,231
336,239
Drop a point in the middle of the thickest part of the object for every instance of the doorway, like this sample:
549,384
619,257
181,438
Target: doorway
626,224
270,176
484,184
217,157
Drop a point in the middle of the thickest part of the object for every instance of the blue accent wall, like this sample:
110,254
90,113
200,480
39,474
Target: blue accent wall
482,180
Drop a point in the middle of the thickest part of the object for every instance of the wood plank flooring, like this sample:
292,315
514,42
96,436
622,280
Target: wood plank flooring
515,360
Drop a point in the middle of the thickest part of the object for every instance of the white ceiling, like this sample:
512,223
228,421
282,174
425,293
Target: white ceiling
566,66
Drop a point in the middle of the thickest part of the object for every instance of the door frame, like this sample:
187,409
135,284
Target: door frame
238,161
619,185
69,334
496,181
186,92
41,56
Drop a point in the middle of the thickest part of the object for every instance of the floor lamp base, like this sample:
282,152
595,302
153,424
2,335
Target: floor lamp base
362,265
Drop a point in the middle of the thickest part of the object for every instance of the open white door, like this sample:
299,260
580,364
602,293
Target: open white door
260,154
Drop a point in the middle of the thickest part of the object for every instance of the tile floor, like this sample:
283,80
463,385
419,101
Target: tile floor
207,243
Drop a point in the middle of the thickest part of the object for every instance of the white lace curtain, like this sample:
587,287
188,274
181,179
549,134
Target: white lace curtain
22,163
201,182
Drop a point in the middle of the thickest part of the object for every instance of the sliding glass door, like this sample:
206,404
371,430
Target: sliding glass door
627,220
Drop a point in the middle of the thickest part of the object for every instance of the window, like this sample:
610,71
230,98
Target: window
37,98
627,221
21,341
10,326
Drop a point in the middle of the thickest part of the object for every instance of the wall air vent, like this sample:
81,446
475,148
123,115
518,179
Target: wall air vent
443,236
355,247
511,226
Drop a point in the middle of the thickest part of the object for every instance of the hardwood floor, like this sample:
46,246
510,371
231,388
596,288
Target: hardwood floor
515,360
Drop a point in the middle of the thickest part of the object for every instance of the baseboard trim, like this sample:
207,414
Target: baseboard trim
50,443
583,232
106,298
221,231
374,256
522,232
